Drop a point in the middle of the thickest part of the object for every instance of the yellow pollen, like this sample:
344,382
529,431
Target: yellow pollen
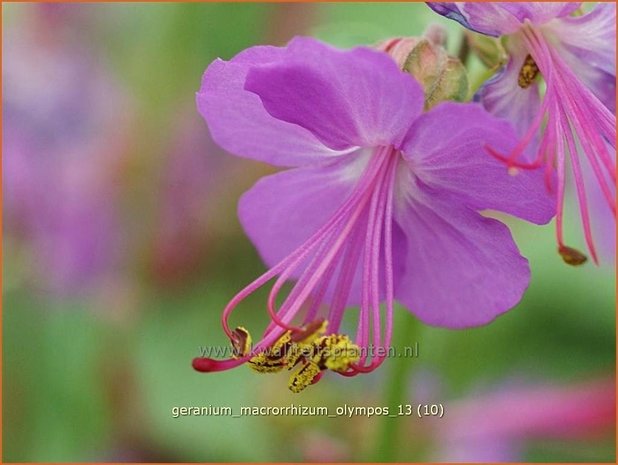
338,352
263,364
298,352
274,359
528,72
303,377
309,349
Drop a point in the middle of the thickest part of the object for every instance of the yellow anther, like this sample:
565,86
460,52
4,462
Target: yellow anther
302,342
241,342
262,363
296,352
338,352
308,348
274,359
279,348
303,377
528,72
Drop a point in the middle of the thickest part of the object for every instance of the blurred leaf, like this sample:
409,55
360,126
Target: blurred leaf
350,24
53,392
167,342
594,450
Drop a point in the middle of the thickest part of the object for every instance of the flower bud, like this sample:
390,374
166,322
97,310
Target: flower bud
436,34
443,77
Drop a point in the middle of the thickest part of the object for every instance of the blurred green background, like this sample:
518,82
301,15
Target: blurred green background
121,247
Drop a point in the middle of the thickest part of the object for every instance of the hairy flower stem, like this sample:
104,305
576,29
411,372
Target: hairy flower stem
395,391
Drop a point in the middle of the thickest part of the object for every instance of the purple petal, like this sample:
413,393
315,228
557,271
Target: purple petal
357,97
502,96
452,11
283,210
490,19
588,43
500,18
446,151
592,37
535,12
237,119
461,269
602,84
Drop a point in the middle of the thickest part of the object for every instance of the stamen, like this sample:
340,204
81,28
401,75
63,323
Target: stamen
581,192
358,226
241,342
308,347
304,377
275,358
572,256
379,218
339,233
303,342
592,150
528,72
302,252
576,122
318,295
335,352
315,272
338,352
561,187
346,277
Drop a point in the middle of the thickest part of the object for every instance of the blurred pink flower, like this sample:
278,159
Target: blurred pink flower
322,447
492,427
569,117
64,122
192,171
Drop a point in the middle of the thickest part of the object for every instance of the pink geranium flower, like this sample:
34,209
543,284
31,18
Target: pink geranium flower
382,202
573,125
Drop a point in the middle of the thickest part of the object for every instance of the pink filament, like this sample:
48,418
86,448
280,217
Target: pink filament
383,220
574,115
336,245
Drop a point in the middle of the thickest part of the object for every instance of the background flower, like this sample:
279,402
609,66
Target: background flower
567,123
494,426
65,123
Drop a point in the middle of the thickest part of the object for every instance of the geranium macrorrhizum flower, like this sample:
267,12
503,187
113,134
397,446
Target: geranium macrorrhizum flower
383,202
576,57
